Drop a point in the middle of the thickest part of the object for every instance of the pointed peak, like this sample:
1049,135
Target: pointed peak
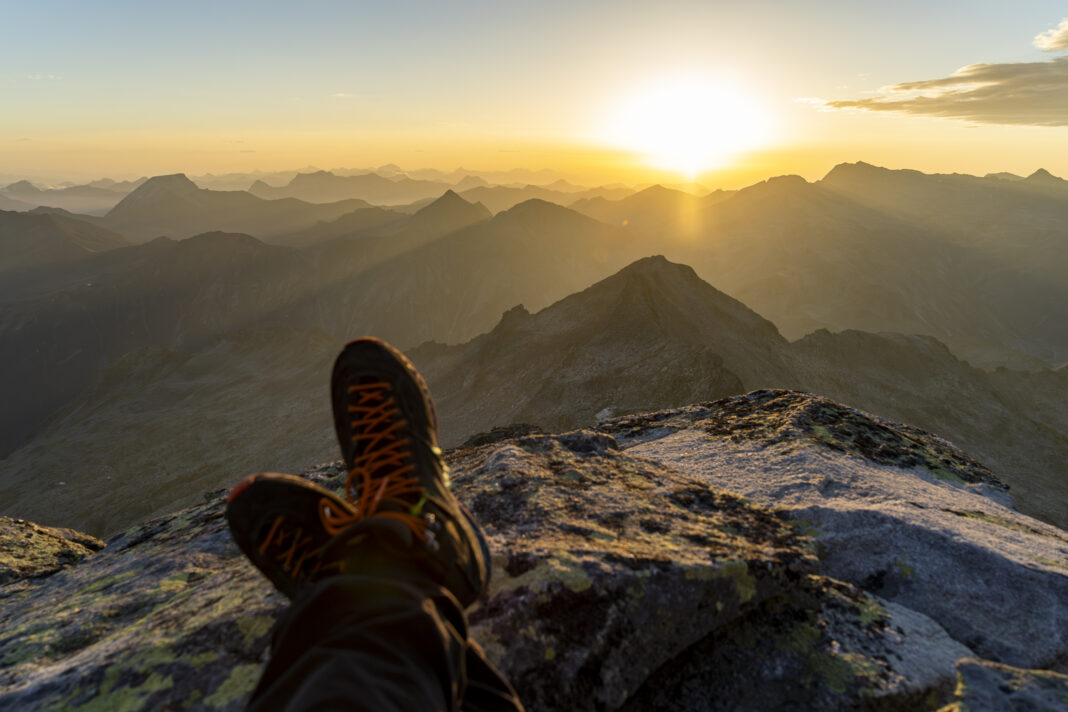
450,203
1043,176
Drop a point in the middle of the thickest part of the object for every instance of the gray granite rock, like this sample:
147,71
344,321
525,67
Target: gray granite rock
894,510
985,686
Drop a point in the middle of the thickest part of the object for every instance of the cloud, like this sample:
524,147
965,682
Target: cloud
1055,39
1030,93
341,95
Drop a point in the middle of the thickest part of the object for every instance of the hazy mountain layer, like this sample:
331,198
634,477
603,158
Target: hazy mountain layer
809,256
173,206
326,187
77,319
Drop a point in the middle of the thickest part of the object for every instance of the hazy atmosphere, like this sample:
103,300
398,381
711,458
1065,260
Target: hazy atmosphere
745,324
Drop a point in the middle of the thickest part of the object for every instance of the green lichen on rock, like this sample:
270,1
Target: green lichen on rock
813,647
28,549
615,554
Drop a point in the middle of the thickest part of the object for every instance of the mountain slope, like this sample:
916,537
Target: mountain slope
186,421
163,293
34,239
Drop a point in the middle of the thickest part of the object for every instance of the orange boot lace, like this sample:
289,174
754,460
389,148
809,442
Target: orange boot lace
293,549
383,473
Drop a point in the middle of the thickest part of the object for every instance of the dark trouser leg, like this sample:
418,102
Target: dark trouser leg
362,643
487,690
366,643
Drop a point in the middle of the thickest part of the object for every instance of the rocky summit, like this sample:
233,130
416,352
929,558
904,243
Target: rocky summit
774,550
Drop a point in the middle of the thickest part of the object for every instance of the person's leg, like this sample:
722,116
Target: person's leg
487,690
379,580
359,643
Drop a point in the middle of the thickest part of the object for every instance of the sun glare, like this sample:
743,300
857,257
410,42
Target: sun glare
689,126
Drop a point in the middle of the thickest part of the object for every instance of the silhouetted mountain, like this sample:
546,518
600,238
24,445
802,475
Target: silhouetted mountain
326,187
651,336
33,239
175,207
1043,176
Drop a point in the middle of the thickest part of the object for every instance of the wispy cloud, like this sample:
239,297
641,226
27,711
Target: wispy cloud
43,77
341,95
1028,93
1055,39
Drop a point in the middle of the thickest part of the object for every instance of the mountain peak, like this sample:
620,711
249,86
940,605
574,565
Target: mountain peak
451,207
22,186
154,190
172,180
1043,176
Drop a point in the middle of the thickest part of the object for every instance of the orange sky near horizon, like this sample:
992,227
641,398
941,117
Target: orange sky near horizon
128,90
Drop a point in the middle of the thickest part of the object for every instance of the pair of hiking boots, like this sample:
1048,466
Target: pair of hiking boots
398,517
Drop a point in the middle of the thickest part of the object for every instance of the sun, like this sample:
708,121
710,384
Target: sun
688,126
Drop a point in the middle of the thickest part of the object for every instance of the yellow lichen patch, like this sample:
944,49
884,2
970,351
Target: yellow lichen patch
560,567
254,627
241,682
108,581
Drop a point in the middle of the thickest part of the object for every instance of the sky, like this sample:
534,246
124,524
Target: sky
601,91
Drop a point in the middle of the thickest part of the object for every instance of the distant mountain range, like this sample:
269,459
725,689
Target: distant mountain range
860,253
80,316
325,187
979,263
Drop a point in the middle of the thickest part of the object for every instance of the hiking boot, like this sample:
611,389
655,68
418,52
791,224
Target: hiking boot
398,483
279,522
